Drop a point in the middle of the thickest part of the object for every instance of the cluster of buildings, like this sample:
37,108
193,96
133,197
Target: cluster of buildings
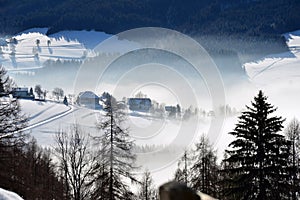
90,100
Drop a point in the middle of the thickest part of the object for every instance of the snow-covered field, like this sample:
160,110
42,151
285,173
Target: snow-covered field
277,75
39,111
33,47
278,68
48,117
8,195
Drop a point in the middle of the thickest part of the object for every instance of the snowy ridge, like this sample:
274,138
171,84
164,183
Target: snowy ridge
31,48
89,39
278,76
283,67
8,195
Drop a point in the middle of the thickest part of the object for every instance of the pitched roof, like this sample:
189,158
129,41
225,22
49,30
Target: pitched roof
88,95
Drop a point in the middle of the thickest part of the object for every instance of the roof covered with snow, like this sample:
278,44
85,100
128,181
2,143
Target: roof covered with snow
20,89
88,95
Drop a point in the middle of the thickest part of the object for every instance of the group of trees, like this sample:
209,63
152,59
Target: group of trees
261,163
99,167
40,92
57,92
81,170
25,168
198,168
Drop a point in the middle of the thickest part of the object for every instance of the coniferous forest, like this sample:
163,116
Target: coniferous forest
262,162
210,17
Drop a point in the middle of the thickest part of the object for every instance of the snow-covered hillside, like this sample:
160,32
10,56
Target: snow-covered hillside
46,118
278,68
39,111
279,76
8,195
31,48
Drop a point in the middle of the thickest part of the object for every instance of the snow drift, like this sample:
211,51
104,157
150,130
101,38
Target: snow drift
8,195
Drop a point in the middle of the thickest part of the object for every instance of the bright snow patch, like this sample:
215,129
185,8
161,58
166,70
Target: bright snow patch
36,30
8,195
283,67
90,39
27,53
31,48
278,76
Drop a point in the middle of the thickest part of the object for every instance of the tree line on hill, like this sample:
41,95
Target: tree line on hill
242,19
260,163
204,16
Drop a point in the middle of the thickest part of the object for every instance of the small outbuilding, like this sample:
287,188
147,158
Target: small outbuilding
22,93
139,104
88,99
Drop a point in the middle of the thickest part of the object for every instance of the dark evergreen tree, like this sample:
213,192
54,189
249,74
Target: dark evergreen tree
178,110
5,83
225,182
11,119
293,134
31,91
258,158
38,176
115,154
65,101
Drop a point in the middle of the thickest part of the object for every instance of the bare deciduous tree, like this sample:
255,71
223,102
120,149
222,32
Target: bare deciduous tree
76,161
38,90
58,93
293,134
147,190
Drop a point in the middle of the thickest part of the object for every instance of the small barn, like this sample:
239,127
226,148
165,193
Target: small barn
22,93
139,104
171,110
88,99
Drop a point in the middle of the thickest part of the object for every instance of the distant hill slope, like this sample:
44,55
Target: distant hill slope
279,76
248,17
247,21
